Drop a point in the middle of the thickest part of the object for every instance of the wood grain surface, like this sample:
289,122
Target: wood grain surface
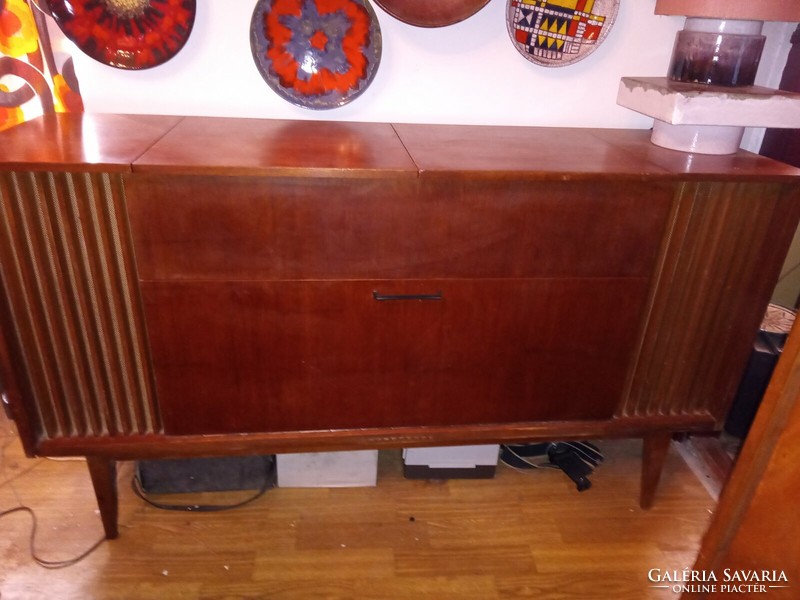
537,153
297,356
591,283
85,142
520,535
753,528
279,148
249,228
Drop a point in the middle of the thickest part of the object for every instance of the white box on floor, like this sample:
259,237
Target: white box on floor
451,462
328,469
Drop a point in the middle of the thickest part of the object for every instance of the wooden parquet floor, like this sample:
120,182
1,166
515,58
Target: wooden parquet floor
519,535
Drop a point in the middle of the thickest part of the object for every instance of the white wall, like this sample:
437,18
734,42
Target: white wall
770,70
465,73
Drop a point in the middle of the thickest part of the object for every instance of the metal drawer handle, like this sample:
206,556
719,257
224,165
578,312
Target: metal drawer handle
388,297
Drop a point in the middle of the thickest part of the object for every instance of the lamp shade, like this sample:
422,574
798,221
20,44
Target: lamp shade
751,10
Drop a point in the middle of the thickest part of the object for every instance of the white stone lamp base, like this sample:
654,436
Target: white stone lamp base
705,119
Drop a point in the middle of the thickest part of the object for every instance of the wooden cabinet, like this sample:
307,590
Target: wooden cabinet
189,286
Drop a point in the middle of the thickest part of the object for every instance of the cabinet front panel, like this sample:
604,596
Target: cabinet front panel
288,356
226,228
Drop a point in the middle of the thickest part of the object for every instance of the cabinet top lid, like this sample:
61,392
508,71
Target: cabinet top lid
324,149
97,142
569,153
279,148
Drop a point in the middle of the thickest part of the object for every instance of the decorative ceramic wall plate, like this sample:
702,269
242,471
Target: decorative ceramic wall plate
431,13
317,54
556,33
127,34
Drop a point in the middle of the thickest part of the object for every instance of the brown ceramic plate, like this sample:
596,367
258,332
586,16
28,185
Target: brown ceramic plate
431,13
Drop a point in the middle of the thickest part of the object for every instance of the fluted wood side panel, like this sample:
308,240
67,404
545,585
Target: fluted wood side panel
707,298
67,272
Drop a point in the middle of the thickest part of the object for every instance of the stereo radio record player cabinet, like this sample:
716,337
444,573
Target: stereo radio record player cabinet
176,287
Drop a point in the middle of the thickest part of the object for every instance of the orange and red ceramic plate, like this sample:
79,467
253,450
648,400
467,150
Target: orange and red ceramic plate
317,54
127,34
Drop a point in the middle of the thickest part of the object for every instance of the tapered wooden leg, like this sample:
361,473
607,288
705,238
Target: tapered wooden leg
104,478
653,456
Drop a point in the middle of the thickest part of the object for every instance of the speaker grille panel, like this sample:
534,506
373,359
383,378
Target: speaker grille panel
707,284
76,325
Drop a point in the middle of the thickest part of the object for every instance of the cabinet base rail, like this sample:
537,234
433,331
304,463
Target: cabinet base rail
102,469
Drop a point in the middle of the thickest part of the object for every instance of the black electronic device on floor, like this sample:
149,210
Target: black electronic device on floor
577,459
185,475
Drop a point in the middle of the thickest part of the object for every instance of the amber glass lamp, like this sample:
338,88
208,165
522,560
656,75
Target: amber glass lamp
721,42
707,99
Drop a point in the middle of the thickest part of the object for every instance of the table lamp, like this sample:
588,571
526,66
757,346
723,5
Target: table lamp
708,96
